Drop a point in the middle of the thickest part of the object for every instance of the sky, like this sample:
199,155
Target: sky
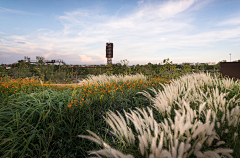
142,31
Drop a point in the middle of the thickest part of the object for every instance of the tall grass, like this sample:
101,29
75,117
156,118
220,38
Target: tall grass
38,119
198,121
41,120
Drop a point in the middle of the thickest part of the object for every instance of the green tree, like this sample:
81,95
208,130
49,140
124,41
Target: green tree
21,70
186,68
3,71
41,69
171,68
125,66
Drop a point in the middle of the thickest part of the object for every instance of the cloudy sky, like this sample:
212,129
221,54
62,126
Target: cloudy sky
142,31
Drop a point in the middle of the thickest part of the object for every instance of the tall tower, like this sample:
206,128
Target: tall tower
109,52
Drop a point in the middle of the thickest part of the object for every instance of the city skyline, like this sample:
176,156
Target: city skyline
142,31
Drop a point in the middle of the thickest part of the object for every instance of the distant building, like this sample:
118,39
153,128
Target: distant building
212,63
191,63
109,52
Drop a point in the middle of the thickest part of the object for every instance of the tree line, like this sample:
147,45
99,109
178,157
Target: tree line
63,73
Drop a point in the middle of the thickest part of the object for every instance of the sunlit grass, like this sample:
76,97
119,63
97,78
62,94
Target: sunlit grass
191,132
38,118
47,107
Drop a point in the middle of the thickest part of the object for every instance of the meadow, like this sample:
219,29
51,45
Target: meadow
193,115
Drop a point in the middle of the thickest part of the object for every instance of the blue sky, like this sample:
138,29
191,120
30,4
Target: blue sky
142,31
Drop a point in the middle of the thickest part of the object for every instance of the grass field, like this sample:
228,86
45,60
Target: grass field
121,116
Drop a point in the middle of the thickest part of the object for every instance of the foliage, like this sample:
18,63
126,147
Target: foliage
43,120
65,74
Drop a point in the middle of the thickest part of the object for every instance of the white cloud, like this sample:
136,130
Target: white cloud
6,10
46,55
171,8
85,58
140,2
151,27
233,21
200,4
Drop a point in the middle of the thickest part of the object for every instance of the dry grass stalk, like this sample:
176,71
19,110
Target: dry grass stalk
186,134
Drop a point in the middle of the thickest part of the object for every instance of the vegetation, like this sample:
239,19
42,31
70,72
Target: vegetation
73,73
195,114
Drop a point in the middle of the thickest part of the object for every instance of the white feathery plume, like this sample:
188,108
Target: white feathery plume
176,129
97,139
201,128
145,141
110,153
218,124
208,115
235,135
164,99
187,147
166,123
201,107
220,143
232,100
137,124
126,116
119,127
160,145
226,131
236,121
226,155
145,124
195,125
172,124
174,152
228,83
145,115
156,129
223,118
188,140
198,154
170,137
197,150
223,150
176,143
210,128
214,117
165,127
148,135
185,127
210,139
204,138
141,145
153,145
210,154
